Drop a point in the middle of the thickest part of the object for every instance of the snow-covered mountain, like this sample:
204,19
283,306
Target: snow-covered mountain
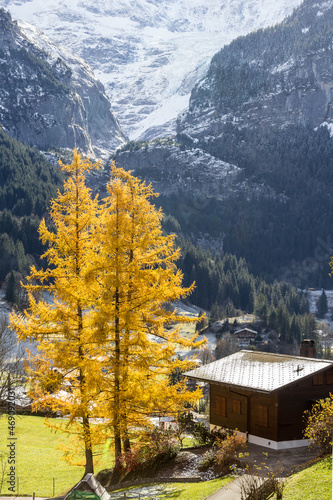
148,53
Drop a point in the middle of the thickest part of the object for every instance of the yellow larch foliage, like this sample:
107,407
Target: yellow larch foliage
138,277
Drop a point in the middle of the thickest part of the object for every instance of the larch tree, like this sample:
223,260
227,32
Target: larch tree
58,318
138,279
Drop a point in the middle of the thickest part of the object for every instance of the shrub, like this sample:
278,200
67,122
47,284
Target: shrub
203,435
218,434
261,482
254,488
229,448
155,447
207,460
319,424
184,423
128,461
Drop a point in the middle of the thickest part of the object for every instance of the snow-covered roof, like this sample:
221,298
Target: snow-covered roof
259,371
246,332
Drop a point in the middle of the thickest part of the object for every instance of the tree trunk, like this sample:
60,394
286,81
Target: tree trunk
88,446
116,421
116,400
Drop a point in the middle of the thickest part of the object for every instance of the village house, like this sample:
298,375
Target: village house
265,395
245,336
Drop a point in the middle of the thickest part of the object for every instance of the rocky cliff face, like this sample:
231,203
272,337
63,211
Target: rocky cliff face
173,170
275,77
48,97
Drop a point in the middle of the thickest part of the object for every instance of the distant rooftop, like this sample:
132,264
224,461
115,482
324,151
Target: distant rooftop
246,330
260,371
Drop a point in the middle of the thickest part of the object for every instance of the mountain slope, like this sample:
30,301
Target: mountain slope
261,115
27,183
48,97
275,77
148,53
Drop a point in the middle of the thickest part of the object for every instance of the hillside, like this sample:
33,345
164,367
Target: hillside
28,182
312,483
250,169
273,77
263,108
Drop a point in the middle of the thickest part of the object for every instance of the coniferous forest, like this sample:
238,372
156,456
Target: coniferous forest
228,282
27,183
119,291
284,233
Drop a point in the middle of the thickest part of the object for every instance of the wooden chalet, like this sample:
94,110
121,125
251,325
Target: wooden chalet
265,395
245,336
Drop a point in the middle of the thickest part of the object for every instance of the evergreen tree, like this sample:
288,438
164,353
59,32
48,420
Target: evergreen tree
216,313
202,322
11,289
322,306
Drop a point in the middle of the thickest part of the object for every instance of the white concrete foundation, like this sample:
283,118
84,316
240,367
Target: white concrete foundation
266,443
277,445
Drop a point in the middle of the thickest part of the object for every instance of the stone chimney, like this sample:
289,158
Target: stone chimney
308,348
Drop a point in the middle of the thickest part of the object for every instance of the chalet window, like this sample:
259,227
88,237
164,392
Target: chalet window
318,379
263,416
329,377
236,406
221,406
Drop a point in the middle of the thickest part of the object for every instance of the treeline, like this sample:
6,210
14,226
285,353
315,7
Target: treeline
287,215
20,246
225,287
27,183
219,279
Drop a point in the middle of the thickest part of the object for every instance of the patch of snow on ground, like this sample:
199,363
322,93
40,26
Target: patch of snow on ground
284,66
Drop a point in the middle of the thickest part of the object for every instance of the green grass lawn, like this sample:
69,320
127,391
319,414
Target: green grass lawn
197,491
38,460
188,442
312,483
180,491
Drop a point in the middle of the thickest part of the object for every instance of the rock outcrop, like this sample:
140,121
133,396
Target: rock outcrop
50,98
174,170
